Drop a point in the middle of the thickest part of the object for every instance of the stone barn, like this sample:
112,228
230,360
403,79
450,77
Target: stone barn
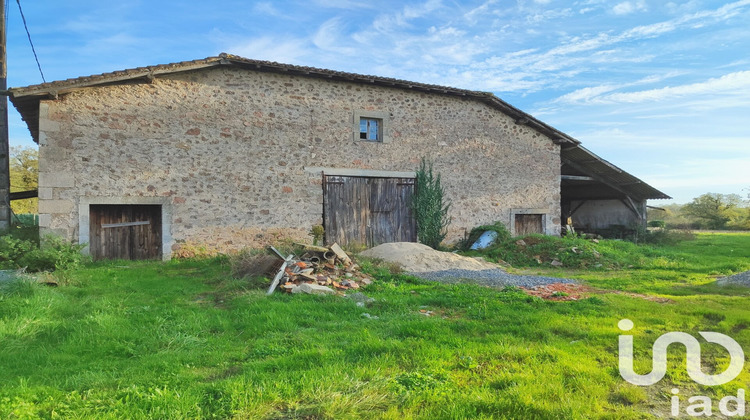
228,152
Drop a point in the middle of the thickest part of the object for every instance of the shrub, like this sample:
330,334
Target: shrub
430,209
54,254
657,223
317,232
13,249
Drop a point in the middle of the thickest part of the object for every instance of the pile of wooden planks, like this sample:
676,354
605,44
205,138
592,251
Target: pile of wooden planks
322,270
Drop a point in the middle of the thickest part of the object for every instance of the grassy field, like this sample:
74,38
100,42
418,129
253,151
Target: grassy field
184,340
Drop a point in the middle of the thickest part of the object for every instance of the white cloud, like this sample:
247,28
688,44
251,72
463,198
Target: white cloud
387,23
594,94
480,11
331,37
732,83
586,94
628,7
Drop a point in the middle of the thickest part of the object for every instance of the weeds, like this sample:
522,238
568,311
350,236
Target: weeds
54,254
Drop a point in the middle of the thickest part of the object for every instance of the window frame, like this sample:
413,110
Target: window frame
383,119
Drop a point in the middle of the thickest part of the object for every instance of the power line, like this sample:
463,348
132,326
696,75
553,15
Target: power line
23,18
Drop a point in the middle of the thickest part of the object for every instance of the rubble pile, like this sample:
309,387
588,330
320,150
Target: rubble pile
318,270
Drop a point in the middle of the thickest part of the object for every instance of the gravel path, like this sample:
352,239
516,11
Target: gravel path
492,277
742,279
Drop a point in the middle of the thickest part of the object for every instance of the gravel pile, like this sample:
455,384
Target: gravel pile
446,267
742,279
492,277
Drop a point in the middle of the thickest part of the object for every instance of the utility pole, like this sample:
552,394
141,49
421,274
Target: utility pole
4,142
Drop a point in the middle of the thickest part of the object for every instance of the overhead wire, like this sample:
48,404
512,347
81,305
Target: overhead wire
23,18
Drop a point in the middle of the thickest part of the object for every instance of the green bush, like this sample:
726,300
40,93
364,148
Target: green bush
13,249
430,209
657,223
54,254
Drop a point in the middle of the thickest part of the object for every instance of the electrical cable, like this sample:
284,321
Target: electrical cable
23,18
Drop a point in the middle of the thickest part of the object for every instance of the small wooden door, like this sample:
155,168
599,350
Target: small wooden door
527,224
368,211
128,232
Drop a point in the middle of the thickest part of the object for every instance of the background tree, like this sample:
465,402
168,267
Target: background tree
430,209
24,176
715,211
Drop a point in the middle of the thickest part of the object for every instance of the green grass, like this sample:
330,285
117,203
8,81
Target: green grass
184,340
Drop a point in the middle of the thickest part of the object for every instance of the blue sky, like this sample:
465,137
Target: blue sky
659,88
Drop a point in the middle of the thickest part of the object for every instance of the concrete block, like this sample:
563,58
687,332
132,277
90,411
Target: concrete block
48,125
43,110
55,206
313,289
45,193
56,180
45,220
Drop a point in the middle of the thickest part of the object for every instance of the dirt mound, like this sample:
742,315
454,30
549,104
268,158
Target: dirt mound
418,258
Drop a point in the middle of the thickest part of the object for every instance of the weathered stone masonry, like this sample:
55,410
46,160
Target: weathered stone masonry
226,149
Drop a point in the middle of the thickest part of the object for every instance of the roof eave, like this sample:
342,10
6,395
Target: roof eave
634,187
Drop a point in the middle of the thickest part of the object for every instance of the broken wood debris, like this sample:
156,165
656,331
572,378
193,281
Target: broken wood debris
318,270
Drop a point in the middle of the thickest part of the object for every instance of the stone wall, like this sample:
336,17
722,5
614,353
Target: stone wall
228,148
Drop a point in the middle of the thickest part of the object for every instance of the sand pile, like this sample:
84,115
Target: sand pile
418,258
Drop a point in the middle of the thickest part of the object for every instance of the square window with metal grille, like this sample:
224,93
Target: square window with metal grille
371,129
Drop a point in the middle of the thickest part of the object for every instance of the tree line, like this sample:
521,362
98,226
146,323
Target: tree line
708,211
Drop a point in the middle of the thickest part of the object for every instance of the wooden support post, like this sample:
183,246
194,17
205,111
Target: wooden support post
4,145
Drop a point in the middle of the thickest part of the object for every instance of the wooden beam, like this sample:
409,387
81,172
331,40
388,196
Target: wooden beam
596,177
22,195
634,207
571,213
576,178
5,213
126,224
